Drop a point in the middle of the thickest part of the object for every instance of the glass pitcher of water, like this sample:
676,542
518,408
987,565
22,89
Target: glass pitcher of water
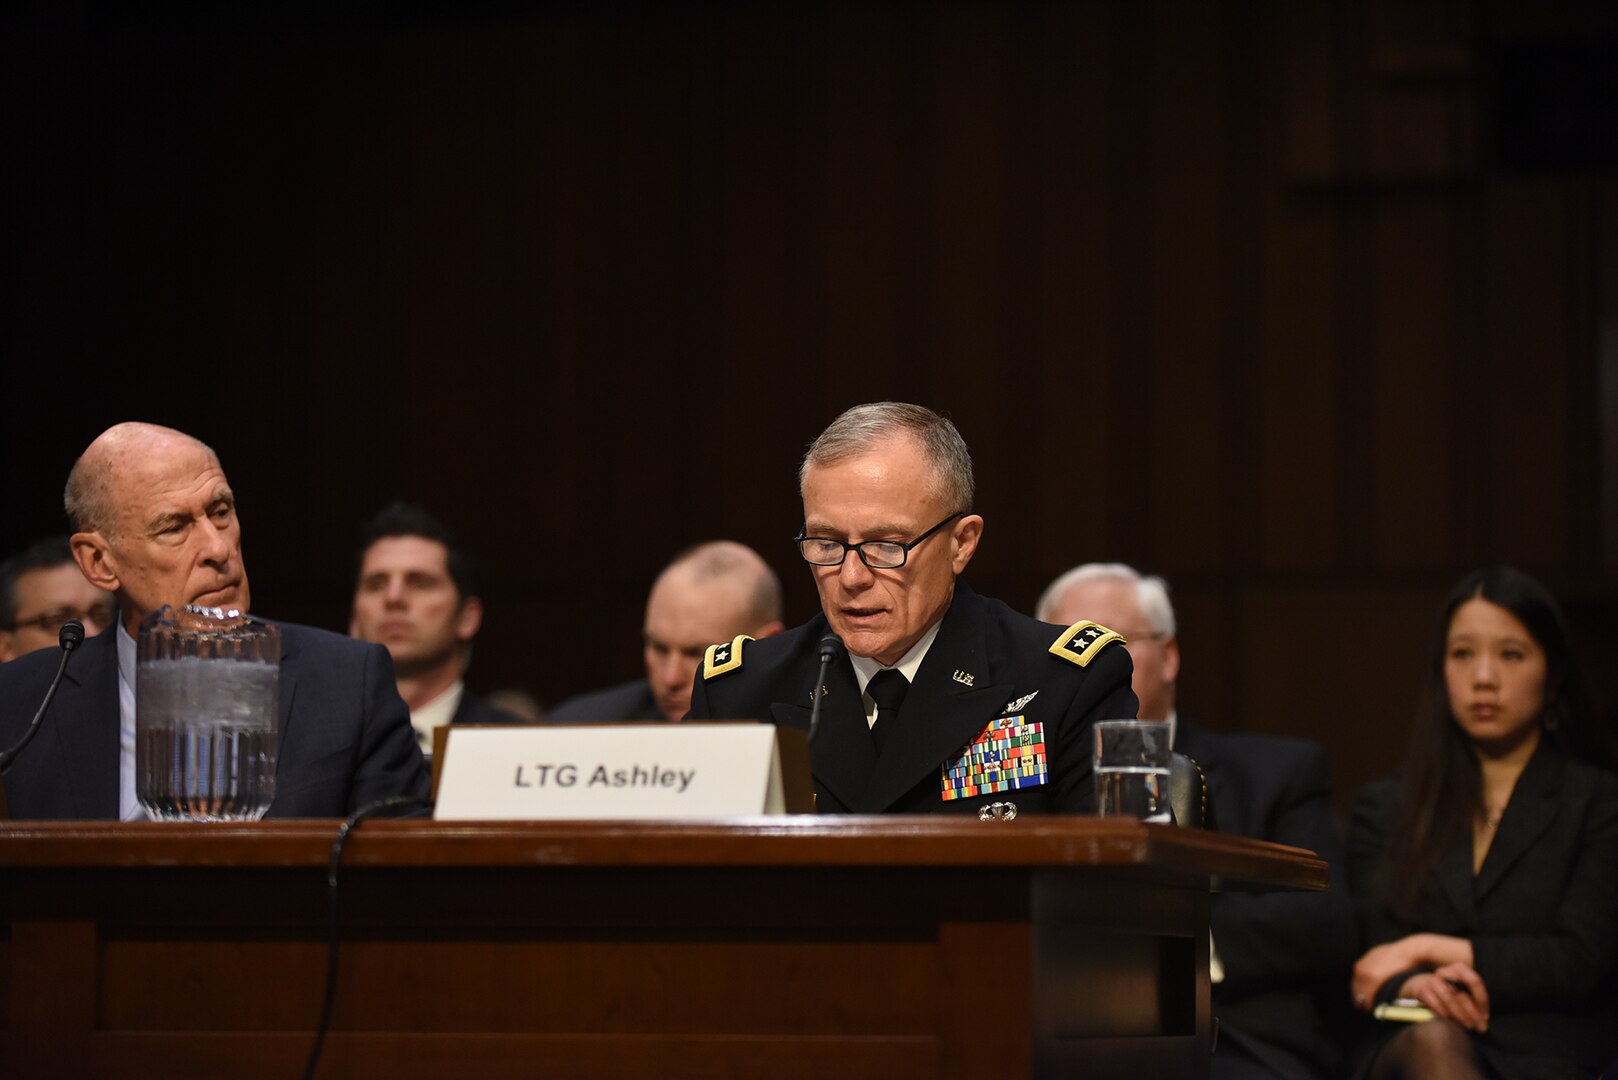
206,695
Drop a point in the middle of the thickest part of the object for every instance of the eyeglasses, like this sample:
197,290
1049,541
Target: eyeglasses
52,621
876,554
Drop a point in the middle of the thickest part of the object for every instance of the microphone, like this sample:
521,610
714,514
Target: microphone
830,645
70,638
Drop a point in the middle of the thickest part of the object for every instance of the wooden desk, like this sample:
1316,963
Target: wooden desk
783,947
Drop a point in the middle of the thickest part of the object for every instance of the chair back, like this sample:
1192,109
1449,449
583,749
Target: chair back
1188,792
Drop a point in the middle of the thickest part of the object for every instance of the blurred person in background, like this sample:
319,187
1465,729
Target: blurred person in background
40,589
1278,958
710,593
1487,874
416,594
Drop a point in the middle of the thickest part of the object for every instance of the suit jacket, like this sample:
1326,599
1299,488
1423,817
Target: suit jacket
986,659
627,701
1542,913
345,735
1286,955
474,710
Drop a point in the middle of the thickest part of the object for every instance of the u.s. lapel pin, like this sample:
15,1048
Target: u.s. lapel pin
813,694
962,677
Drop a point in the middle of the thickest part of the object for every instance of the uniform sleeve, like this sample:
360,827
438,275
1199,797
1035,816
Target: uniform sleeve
700,708
388,760
1104,694
1285,935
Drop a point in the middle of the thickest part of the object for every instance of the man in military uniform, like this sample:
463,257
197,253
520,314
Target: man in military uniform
943,700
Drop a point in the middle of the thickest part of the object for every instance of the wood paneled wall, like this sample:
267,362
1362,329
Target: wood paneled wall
1233,292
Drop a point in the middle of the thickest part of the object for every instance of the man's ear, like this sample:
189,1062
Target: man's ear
966,534
468,619
94,556
769,629
1171,659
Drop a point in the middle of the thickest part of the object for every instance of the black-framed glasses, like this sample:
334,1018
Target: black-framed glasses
52,621
876,554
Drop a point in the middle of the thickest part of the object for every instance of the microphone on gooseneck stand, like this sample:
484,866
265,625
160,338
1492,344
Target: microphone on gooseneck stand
830,646
70,638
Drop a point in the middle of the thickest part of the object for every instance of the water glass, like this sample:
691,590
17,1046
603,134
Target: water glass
1132,769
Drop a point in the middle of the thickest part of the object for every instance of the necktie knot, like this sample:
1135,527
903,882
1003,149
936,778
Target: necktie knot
888,689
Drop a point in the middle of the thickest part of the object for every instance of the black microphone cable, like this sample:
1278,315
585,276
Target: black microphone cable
70,637
392,802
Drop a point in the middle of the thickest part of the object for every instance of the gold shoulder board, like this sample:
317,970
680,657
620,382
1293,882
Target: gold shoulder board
1080,642
726,656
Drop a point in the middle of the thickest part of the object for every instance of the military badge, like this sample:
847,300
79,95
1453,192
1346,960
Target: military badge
1018,705
998,811
1083,641
1008,755
726,656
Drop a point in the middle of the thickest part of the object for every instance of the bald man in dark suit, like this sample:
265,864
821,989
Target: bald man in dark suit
156,525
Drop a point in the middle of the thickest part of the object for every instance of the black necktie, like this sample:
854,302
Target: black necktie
887,689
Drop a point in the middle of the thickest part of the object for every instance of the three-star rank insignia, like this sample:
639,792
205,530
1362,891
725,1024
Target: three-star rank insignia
1081,642
723,657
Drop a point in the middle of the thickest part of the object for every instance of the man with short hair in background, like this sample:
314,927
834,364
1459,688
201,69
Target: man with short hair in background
1282,958
416,593
40,590
710,593
155,524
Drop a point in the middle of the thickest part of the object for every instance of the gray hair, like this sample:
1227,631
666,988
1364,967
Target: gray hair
1151,593
859,429
87,498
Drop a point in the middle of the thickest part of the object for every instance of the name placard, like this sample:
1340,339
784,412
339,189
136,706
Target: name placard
509,772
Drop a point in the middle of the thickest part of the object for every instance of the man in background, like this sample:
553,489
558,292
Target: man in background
710,593
40,589
417,594
1280,959
156,525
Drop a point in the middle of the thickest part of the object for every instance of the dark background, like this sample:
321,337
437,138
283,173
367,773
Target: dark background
1309,306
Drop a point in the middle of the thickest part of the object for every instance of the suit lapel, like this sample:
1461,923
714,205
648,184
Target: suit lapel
1531,810
86,716
940,715
286,689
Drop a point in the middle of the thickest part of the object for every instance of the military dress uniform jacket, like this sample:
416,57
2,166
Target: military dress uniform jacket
989,672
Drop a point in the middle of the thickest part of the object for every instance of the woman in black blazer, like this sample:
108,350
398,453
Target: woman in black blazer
1487,878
